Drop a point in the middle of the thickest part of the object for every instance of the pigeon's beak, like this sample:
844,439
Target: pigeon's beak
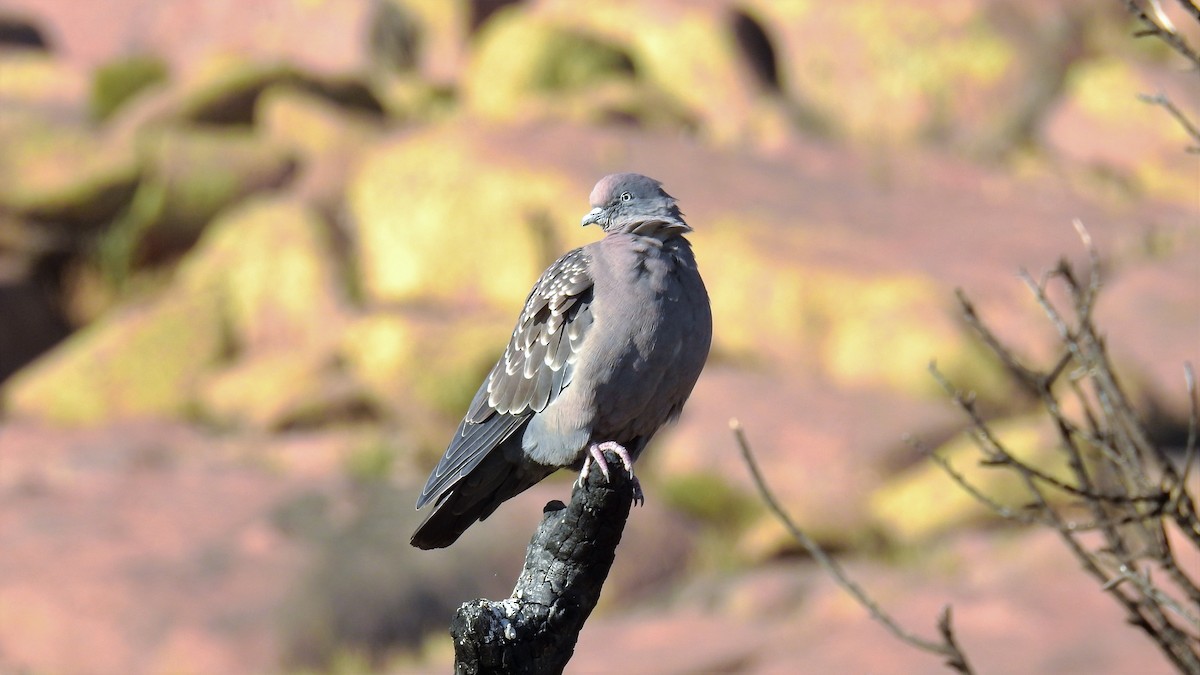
596,216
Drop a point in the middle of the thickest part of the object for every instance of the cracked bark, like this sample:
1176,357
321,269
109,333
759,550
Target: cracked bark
536,628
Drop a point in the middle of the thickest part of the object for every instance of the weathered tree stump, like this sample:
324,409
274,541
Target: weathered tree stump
535,630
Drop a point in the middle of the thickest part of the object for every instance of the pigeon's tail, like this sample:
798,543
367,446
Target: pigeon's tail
474,498
447,522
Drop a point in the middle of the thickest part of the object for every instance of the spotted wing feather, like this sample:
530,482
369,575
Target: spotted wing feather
537,364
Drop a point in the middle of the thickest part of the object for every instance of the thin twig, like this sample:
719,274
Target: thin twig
1010,362
947,649
1111,460
1141,579
1151,27
1028,515
1189,453
1161,100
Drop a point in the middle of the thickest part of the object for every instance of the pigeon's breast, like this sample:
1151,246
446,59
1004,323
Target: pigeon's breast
642,356
653,330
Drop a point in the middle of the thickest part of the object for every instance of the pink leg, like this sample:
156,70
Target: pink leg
596,454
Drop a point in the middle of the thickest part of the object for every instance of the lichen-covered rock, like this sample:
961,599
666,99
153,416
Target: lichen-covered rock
834,320
709,77
325,138
524,64
439,218
63,174
430,36
272,265
188,176
196,172
119,81
309,124
223,89
280,388
583,62
880,71
31,79
406,358
139,361
263,281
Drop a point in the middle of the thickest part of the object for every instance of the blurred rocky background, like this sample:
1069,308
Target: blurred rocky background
255,257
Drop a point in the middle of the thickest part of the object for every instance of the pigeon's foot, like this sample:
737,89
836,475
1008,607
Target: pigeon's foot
596,455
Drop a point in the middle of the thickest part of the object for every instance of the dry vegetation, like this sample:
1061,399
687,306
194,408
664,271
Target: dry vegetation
1123,507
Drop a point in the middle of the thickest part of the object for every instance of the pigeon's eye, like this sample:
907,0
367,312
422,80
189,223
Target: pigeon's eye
626,197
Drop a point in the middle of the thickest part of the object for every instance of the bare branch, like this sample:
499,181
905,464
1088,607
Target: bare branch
1128,483
1141,579
1161,100
1152,26
534,631
947,649
1189,454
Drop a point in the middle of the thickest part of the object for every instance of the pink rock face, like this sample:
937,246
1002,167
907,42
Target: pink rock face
90,33
124,549
155,547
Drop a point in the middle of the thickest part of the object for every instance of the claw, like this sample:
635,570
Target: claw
596,455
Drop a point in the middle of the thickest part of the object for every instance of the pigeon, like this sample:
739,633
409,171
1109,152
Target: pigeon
606,351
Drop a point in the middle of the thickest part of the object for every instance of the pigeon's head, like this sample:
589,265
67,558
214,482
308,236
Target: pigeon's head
633,203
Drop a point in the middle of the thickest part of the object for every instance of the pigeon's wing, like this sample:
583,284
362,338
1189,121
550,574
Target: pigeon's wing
537,365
